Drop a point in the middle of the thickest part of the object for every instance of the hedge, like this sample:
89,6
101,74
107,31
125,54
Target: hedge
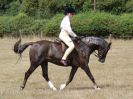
12,25
52,27
94,23
88,23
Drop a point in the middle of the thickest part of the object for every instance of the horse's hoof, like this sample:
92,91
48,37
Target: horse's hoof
97,88
21,87
51,86
54,89
62,86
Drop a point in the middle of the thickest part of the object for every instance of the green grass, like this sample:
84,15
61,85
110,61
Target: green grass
115,76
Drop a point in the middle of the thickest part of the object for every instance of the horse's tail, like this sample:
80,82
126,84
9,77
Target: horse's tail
19,48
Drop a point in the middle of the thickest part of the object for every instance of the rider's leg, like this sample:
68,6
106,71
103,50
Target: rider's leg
67,40
69,50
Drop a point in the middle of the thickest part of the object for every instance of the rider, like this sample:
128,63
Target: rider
66,32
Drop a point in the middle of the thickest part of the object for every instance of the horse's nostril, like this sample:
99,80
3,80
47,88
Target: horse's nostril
101,60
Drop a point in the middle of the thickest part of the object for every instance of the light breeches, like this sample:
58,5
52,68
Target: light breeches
67,40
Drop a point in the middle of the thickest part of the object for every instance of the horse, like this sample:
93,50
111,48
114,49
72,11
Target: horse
44,51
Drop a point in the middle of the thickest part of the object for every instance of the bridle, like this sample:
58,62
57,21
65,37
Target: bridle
96,54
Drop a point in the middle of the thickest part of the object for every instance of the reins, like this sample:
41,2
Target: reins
95,53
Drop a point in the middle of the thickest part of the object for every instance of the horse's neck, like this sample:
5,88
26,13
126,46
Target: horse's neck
93,43
93,47
96,41
81,47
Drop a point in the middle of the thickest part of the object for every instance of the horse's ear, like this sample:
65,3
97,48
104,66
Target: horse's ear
110,38
109,45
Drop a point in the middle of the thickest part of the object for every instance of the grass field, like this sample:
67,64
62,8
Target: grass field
115,76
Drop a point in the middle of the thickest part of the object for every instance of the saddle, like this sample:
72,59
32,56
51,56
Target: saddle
63,45
80,47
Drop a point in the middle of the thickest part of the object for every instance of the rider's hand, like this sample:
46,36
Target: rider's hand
77,38
81,37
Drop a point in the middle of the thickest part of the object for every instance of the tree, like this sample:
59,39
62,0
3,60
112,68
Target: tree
30,7
20,1
94,4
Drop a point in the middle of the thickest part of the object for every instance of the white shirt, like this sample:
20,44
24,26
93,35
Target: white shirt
66,26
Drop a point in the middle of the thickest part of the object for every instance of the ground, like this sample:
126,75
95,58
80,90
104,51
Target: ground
115,76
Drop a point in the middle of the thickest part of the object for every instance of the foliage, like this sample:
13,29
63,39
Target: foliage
37,26
129,6
86,23
49,8
27,25
29,7
14,8
123,25
95,23
52,27
4,25
35,16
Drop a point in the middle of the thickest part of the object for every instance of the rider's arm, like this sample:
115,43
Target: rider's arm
65,25
70,31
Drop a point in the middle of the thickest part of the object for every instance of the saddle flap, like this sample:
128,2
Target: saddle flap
63,45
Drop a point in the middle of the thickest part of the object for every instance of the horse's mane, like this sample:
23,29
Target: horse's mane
95,40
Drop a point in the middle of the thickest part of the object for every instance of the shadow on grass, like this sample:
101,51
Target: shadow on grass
90,88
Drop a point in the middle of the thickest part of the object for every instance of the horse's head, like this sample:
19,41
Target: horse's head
102,51
100,45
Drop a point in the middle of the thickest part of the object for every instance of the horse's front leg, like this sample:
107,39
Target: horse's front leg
89,74
71,76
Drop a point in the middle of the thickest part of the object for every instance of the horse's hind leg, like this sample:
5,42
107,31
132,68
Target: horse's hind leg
88,72
27,74
71,76
45,75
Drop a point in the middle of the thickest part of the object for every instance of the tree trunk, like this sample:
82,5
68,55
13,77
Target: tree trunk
94,5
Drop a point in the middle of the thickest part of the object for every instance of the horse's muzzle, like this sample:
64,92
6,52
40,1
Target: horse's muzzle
101,60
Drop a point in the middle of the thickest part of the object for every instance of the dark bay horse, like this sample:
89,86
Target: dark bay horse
44,51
